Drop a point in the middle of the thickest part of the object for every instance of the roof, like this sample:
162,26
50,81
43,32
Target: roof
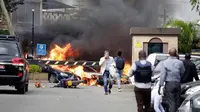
53,4
154,31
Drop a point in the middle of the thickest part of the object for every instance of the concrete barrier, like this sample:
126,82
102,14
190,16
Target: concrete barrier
38,76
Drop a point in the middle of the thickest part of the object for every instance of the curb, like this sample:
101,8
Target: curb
42,81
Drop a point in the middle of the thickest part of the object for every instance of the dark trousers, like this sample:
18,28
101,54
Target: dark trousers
143,99
107,80
172,94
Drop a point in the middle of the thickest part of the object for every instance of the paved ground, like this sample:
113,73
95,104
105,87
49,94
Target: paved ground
83,99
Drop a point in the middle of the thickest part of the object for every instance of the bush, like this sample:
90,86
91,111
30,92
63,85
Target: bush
4,32
35,69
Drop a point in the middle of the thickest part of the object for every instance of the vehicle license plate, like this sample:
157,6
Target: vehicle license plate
69,83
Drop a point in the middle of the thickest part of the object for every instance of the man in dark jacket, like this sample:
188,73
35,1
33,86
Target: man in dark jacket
190,70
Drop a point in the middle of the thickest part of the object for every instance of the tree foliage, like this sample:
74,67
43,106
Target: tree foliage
11,5
189,34
195,5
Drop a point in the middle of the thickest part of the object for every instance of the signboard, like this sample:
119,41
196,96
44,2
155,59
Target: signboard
41,49
138,44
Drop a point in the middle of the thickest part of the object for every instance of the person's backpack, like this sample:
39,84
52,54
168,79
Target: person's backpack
120,63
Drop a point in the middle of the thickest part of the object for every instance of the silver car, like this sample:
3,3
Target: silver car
191,103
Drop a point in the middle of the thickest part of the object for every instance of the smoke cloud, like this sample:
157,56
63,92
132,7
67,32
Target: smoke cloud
105,27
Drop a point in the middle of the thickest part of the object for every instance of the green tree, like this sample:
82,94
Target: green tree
11,5
189,34
195,5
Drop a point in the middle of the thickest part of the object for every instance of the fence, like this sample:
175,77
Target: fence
66,63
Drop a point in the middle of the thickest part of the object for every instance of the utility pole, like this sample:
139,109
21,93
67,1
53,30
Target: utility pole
5,13
165,16
33,32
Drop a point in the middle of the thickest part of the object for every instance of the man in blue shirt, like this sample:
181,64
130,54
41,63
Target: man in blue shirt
119,60
171,72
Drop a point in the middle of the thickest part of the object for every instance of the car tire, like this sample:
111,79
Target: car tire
52,79
21,89
26,88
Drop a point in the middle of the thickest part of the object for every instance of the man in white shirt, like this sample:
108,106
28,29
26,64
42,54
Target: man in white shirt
105,63
142,71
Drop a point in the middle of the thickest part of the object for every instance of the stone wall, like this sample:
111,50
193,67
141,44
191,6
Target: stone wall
138,43
141,36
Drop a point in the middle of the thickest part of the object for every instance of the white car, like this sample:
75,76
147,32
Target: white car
155,58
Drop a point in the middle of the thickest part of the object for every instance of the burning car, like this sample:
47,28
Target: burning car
91,75
55,75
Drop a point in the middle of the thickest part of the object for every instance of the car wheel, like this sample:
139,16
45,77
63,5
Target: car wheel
21,89
52,79
26,88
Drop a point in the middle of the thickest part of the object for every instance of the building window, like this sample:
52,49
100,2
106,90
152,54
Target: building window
155,45
155,48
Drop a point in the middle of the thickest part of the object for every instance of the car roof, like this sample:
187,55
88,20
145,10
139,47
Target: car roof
8,41
152,57
164,54
10,38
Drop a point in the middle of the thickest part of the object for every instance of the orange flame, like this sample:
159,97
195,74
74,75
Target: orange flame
126,68
67,53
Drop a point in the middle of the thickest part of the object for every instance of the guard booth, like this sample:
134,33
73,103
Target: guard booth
153,40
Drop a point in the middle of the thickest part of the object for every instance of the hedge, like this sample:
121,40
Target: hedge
35,69
5,32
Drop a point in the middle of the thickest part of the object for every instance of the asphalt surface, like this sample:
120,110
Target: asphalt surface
82,99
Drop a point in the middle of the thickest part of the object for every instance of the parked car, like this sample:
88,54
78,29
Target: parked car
191,103
14,68
186,89
189,88
155,58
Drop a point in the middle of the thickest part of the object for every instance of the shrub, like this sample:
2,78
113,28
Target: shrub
4,32
35,69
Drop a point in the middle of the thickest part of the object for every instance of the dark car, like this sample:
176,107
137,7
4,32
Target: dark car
55,75
13,65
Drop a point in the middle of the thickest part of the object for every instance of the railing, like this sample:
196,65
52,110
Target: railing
68,63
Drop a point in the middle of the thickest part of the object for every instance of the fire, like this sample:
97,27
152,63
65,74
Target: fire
126,68
65,53
68,53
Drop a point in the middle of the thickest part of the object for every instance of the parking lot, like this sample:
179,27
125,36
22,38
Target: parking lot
82,99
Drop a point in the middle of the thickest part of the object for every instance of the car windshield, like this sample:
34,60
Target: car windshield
9,49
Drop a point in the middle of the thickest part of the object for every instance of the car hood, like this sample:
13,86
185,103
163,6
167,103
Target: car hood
193,96
190,84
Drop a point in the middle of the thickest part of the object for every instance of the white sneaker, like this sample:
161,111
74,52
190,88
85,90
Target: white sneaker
119,89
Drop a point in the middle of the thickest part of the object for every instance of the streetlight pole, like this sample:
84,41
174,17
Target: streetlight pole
33,22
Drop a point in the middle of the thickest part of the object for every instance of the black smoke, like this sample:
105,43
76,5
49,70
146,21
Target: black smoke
105,27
